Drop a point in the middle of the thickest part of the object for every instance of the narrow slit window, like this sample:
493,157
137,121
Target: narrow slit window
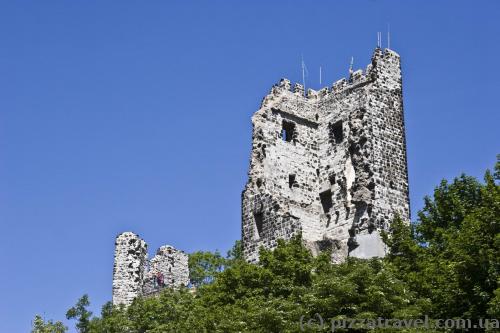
336,132
326,200
291,181
259,221
288,131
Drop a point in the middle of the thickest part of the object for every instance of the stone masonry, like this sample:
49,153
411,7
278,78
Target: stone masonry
329,164
134,275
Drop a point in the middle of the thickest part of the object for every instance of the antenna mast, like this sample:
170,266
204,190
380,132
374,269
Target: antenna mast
388,35
320,75
304,72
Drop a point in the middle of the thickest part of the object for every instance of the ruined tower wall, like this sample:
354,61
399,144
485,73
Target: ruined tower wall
389,160
343,111
348,145
134,275
172,264
128,272
282,162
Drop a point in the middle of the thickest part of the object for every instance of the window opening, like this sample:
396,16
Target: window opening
259,221
326,201
291,181
336,132
288,131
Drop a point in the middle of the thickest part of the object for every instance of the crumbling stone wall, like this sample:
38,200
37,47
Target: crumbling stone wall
172,264
330,165
131,254
134,275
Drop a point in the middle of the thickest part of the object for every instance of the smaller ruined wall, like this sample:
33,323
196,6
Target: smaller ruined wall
134,275
172,264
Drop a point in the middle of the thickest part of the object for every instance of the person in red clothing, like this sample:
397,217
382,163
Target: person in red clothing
160,280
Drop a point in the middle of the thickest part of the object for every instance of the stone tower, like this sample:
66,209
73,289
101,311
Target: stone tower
134,275
131,254
329,164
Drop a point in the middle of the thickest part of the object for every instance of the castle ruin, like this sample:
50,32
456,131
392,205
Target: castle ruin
329,164
134,275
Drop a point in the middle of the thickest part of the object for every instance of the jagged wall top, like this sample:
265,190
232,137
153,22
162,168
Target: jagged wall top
356,79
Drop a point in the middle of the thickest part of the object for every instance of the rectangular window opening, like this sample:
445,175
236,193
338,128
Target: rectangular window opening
259,221
291,181
336,132
288,131
326,201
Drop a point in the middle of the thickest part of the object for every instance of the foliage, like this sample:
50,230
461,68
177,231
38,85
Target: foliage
204,266
81,314
40,326
235,254
452,255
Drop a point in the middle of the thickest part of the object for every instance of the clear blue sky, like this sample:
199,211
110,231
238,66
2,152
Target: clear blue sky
135,115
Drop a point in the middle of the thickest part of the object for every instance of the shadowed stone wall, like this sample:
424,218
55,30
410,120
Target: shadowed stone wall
330,165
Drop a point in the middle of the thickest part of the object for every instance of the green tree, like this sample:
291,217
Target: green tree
452,256
112,320
445,212
405,250
40,326
204,266
235,254
81,314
